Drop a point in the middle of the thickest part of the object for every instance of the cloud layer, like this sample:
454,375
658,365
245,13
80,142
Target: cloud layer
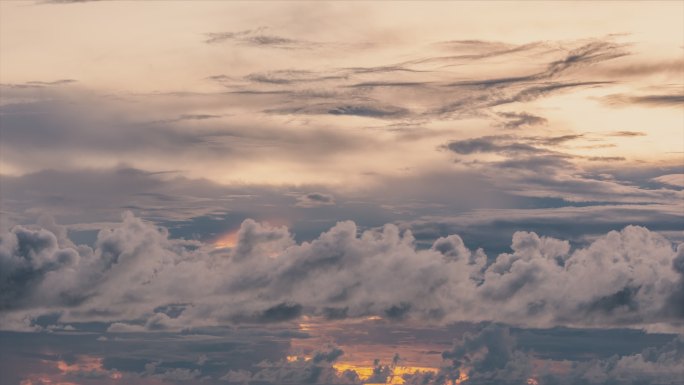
138,279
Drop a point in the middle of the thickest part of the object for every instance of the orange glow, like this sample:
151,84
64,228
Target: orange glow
396,377
84,364
297,358
364,372
306,326
227,240
462,376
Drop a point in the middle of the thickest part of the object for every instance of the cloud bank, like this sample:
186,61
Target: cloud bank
138,279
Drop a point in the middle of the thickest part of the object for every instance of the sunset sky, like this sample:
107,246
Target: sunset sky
271,193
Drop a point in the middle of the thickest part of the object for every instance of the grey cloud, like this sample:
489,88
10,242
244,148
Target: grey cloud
590,53
586,54
62,128
535,92
315,199
382,69
524,153
27,257
135,268
542,164
493,356
474,50
606,158
627,133
236,356
484,354
284,77
368,109
257,38
388,84
675,180
554,140
663,100
338,91
517,120
636,69
189,117
491,144
316,370
218,37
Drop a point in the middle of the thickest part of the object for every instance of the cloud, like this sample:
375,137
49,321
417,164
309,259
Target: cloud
656,100
257,38
40,84
317,369
606,158
315,199
627,133
584,55
671,179
517,120
134,271
492,144
492,355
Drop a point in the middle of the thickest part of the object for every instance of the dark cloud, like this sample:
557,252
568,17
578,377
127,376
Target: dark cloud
257,38
388,84
493,356
606,158
517,120
316,370
367,111
315,199
590,53
586,54
627,133
284,77
664,100
535,92
491,145
521,152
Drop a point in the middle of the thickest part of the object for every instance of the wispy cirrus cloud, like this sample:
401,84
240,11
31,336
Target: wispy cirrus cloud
258,37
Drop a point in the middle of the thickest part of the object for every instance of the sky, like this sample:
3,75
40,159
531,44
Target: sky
273,193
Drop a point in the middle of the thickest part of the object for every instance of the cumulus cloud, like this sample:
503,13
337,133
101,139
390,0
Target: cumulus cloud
493,356
138,277
317,369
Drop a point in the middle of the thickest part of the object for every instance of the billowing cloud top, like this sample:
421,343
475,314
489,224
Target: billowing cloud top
136,278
